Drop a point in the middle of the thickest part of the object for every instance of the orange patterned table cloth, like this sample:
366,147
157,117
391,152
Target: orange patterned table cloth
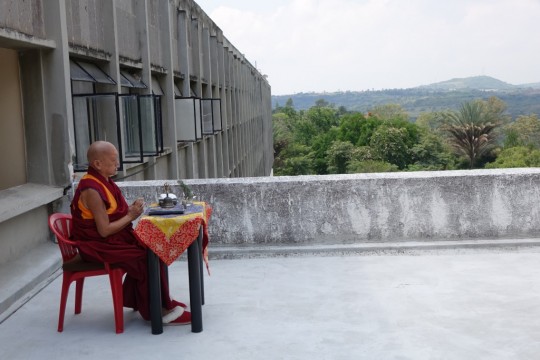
168,236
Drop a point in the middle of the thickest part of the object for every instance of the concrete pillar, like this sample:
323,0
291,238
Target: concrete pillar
50,144
167,103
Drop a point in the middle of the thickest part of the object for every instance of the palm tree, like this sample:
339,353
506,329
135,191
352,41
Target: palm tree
471,130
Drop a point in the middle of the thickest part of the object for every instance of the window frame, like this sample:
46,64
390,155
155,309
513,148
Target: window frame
93,129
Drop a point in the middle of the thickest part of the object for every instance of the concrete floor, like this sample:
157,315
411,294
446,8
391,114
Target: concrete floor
452,305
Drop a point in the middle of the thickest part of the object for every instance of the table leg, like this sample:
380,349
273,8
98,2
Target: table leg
165,270
154,286
194,267
200,241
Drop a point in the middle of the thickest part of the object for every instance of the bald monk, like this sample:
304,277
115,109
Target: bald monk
102,225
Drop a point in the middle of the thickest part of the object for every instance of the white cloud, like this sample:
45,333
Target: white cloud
316,45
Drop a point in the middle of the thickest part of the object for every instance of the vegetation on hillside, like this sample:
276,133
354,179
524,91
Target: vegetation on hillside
519,99
325,139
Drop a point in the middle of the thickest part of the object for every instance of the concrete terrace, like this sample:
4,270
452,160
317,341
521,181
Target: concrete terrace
438,265
451,303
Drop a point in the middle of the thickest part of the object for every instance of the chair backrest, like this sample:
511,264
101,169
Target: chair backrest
61,225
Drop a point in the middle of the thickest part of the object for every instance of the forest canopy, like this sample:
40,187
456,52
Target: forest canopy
328,140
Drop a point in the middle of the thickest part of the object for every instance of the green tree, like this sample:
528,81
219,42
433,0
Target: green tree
339,155
319,149
289,103
366,153
294,160
315,121
281,131
389,112
304,131
430,120
350,127
518,156
357,129
390,144
323,118
289,109
431,153
495,110
412,130
471,130
370,166
342,110
322,103
524,131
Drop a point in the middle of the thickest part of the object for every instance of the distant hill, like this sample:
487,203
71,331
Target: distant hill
531,85
520,99
474,82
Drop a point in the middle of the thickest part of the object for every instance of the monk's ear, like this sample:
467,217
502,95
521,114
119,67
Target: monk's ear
96,164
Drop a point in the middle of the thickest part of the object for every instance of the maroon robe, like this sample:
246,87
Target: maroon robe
123,248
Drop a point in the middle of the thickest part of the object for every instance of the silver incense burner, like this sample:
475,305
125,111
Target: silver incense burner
168,199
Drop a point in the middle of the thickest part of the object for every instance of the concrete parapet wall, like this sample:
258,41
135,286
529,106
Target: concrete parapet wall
347,209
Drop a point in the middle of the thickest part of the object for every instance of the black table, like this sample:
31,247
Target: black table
196,286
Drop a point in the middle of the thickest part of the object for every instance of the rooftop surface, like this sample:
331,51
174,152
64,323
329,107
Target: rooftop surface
474,304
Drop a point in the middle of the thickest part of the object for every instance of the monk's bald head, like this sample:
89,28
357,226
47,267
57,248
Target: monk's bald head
98,149
103,157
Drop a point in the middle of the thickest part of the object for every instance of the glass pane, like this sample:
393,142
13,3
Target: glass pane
198,120
125,82
104,118
159,123
135,80
216,110
82,131
98,74
185,119
130,117
177,91
82,87
207,122
156,88
148,125
94,118
78,74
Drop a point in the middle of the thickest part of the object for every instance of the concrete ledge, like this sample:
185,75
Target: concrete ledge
412,248
24,198
365,208
21,279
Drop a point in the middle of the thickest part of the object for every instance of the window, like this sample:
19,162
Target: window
188,119
211,116
92,116
216,114
206,117
131,80
142,120
143,127
83,71
132,125
99,116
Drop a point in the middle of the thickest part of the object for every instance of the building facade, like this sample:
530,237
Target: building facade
155,77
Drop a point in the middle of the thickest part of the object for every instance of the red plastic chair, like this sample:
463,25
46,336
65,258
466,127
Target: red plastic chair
76,269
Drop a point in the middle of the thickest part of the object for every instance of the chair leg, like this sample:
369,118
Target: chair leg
115,276
66,281
78,295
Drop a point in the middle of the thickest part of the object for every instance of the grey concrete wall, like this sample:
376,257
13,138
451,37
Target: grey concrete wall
25,17
417,206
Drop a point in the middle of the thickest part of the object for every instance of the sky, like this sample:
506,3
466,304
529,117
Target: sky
356,45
